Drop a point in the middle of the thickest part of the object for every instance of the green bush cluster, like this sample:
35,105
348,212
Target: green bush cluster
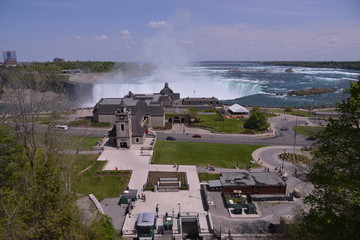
293,157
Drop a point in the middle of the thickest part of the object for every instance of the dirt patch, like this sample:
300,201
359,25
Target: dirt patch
82,171
88,211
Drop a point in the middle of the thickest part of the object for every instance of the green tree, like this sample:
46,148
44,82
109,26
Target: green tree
102,229
288,108
335,202
257,121
36,200
255,109
192,112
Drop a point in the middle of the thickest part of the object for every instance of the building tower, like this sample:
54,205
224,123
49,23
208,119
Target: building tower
123,126
9,58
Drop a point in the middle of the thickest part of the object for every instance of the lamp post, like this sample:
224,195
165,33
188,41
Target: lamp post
179,210
296,122
283,159
157,210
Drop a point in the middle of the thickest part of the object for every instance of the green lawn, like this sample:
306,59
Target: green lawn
226,126
68,142
204,176
88,123
201,154
309,131
101,186
295,112
326,110
87,142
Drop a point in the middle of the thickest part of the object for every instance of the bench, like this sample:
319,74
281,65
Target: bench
168,189
169,183
169,179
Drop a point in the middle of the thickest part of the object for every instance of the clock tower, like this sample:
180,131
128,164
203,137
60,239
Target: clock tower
123,126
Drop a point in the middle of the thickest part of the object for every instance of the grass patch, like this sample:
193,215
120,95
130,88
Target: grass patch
204,177
327,110
216,124
310,131
74,142
200,154
88,142
68,142
101,186
88,123
295,112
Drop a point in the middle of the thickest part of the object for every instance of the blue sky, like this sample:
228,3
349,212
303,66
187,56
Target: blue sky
181,30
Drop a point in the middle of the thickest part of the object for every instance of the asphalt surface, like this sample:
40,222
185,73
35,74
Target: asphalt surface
277,137
281,139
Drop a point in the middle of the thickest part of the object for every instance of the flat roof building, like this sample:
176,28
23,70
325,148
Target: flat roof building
252,182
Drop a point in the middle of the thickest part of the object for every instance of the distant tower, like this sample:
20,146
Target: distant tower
9,58
123,126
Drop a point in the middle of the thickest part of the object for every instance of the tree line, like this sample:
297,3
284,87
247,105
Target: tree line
37,200
335,202
353,65
83,66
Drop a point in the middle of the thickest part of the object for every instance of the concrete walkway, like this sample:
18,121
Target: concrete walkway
139,162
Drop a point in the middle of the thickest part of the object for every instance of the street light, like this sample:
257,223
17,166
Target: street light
283,159
179,210
297,115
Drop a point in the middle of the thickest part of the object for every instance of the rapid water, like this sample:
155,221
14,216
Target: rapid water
236,82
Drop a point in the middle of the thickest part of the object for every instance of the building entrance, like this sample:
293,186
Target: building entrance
190,227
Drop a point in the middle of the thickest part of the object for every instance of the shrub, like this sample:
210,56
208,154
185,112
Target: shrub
289,109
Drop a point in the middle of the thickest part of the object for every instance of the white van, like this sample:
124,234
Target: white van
62,127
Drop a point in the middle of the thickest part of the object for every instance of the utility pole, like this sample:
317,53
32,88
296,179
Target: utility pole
283,159
297,115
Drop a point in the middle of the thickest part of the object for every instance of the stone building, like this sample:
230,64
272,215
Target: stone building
133,114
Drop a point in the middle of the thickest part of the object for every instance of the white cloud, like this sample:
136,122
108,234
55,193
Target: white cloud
79,37
159,24
125,34
102,37
128,47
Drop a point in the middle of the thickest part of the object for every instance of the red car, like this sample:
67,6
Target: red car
196,136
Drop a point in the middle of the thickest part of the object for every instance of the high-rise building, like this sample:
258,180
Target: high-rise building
9,58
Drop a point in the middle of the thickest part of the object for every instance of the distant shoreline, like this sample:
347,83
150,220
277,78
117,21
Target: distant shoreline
350,65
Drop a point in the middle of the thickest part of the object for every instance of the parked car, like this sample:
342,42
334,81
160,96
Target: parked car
169,138
62,127
284,129
306,148
151,134
196,136
310,138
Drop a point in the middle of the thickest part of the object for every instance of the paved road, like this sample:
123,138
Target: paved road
269,157
283,138
288,138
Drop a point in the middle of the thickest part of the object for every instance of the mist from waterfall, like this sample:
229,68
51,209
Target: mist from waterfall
168,51
188,81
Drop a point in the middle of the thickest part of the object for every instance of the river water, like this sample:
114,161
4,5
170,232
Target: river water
246,83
